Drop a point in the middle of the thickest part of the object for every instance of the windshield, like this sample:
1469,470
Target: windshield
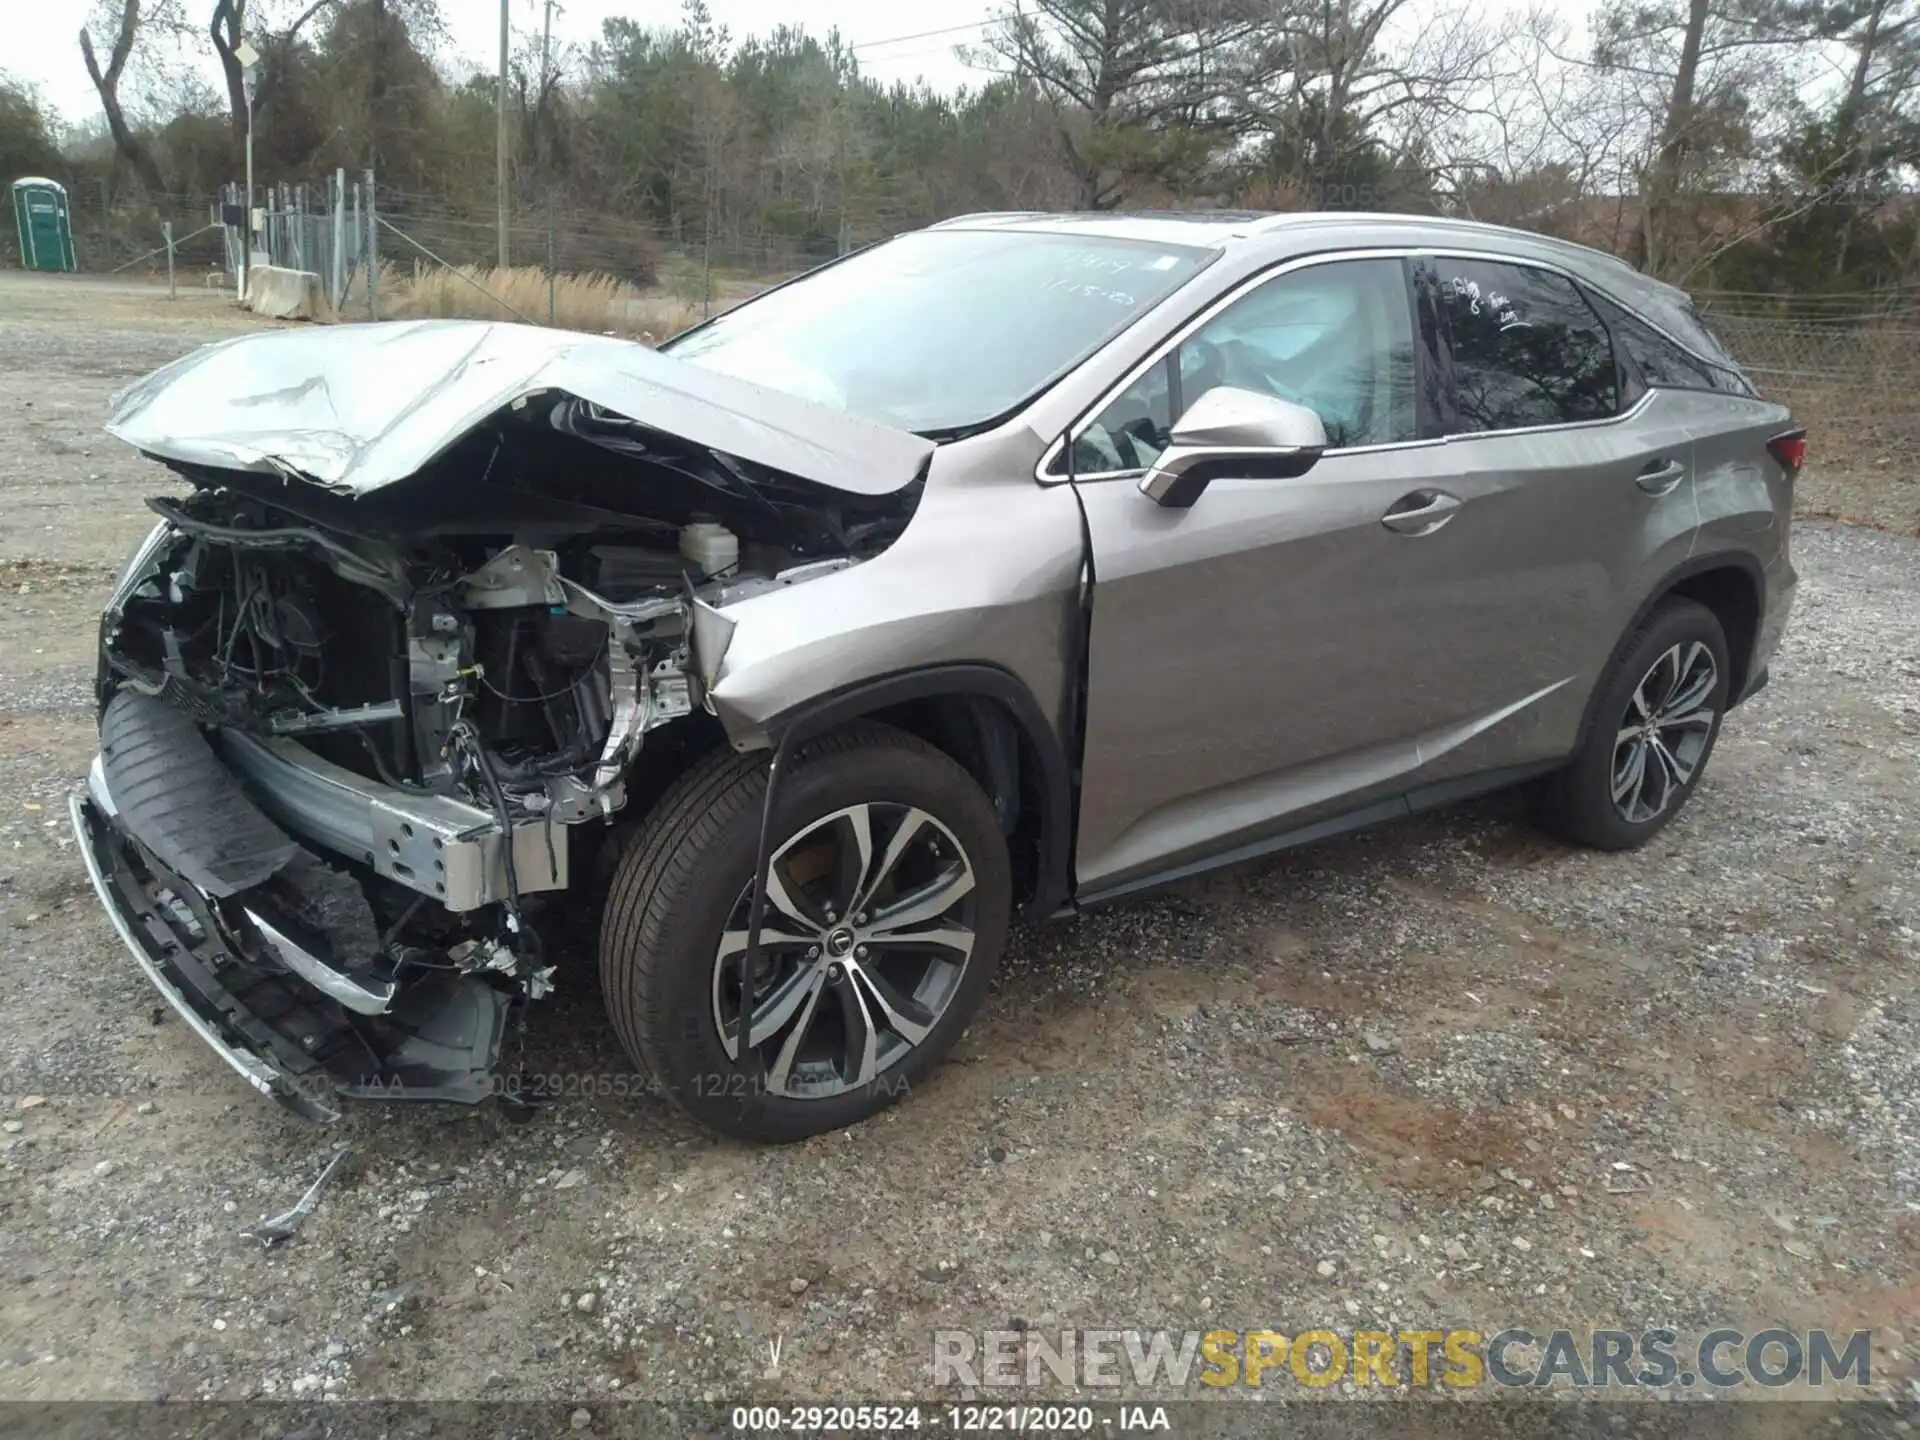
942,330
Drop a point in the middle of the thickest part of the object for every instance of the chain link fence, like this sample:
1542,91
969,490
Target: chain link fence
117,234
379,251
1848,365
320,229
639,278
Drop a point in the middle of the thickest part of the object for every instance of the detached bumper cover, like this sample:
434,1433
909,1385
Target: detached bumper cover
441,1040
163,947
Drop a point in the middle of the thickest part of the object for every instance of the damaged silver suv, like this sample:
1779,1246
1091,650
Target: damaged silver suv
1001,569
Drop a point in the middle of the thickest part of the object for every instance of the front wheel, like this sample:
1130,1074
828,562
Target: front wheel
888,900
1656,715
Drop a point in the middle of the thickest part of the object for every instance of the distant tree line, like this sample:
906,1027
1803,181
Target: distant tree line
1754,144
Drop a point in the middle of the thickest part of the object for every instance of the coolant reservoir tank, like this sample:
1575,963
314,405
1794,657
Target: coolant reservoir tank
711,549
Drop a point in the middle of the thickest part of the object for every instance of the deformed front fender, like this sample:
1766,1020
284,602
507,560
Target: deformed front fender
981,596
824,713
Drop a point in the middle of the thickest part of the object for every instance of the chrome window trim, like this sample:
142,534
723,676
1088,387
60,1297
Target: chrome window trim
1632,412
1629,413
1334,257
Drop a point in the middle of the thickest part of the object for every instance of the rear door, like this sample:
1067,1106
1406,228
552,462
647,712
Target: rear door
1582,476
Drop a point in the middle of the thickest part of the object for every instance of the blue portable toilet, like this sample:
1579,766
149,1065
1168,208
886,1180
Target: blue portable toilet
46,232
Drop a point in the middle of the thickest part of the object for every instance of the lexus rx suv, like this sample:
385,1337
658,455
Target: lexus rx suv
996,571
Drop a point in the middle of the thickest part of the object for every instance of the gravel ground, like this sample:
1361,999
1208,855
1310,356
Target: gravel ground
1445,1073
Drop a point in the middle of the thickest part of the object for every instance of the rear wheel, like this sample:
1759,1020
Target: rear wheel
888,900
1655,718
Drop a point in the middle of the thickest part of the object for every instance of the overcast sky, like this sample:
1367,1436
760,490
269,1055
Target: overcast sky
42,36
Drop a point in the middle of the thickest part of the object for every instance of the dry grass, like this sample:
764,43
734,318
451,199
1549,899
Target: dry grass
597,303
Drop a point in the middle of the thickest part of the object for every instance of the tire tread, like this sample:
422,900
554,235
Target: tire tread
1564,802
661,858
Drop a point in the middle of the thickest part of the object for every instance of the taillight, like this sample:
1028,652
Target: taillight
1790,450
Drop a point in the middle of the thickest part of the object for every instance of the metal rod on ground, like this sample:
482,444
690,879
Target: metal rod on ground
458,273
166,230
373,249
159,249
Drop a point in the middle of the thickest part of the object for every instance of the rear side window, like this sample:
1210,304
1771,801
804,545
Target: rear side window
1527,348
1662,362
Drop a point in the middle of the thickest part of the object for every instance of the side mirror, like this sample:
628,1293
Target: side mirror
1240,434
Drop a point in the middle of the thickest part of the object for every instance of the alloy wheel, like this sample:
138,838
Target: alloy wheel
1664,733
866,934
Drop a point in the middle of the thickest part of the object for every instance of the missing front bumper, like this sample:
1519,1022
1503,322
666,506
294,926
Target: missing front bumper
440,1039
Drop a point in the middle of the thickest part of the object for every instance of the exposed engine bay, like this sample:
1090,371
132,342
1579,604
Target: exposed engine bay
456,668
414,698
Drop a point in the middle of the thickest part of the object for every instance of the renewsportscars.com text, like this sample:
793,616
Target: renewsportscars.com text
1512,1358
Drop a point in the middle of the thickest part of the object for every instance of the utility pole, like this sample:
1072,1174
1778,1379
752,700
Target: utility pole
501,145
246,222
546,146
249,59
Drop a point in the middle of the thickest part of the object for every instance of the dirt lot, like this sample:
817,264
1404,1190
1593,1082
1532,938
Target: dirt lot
1446,1073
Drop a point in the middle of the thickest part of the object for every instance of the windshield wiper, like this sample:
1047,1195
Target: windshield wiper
946,434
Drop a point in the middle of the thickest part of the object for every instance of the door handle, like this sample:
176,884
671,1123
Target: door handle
1661,477
1420,512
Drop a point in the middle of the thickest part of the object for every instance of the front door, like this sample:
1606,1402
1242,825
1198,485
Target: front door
1291,650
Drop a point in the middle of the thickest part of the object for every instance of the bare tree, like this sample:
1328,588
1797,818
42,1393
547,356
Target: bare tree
1713,78
1344,88
1676,137
107,82
1686,135
1885,40
228,27
1139,86
1543,140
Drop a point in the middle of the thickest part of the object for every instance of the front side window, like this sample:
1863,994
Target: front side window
1337,338
1527,348
943,331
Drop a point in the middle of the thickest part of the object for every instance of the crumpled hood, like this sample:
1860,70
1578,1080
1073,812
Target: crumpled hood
356,407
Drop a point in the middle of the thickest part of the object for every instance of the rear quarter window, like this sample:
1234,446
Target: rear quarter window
1666,363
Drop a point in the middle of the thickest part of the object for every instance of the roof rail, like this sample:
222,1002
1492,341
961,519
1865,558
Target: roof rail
1282,219
953,220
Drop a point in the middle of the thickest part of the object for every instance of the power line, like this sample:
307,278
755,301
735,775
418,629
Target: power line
877,62
922,35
